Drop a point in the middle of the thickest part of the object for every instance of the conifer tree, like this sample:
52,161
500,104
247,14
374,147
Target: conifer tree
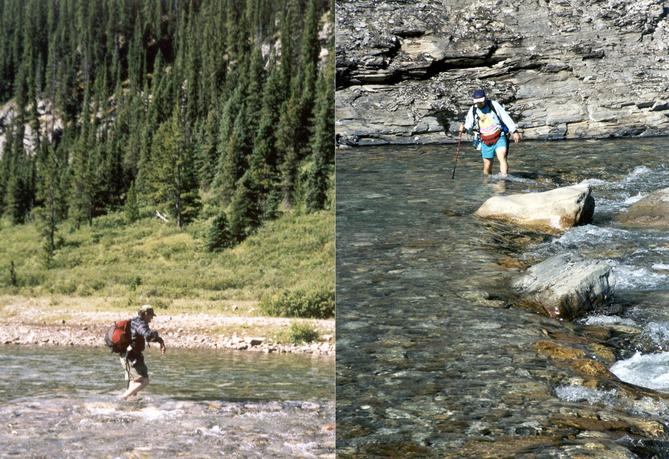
114,72
131,205
175,181
322,144
47,216
220,236
244,211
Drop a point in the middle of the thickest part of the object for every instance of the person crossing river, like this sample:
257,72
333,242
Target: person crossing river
136,371
490,125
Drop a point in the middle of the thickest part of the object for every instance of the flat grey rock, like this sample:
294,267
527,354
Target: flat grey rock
566,286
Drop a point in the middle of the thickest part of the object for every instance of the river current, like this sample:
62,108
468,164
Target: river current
434,356
63,402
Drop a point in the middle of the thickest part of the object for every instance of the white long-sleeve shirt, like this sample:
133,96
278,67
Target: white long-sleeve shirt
505,118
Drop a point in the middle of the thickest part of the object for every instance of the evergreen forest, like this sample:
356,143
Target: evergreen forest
189,110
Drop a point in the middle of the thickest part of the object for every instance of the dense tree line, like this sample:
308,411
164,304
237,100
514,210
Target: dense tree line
195,108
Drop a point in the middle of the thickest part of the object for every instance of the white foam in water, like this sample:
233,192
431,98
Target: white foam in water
638,171
632,199
658,333
661,266
608,320
512,178
650,370
580,393
627,277
590,233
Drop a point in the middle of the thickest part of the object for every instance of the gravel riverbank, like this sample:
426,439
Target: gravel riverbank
31,323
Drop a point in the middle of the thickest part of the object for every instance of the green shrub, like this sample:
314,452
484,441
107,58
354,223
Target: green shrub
301,333
134,283
318,304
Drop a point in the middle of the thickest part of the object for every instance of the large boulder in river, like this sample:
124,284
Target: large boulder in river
651,211
566,286
550,211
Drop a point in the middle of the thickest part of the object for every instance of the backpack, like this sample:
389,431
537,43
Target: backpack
117,337
491,140
505,129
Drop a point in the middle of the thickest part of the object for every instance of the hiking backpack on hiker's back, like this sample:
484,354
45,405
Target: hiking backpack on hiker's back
117,337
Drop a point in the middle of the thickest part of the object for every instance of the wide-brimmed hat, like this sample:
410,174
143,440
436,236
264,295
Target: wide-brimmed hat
146,309
478,96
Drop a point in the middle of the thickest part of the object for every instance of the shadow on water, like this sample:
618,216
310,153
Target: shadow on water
435,355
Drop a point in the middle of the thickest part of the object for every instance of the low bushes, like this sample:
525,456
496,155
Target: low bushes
317,304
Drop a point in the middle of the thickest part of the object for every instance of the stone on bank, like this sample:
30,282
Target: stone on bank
551,211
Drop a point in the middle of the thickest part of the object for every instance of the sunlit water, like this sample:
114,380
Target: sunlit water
63,402
431,353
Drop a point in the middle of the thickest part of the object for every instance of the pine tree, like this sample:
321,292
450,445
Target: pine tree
47,216
322,144
174,180
288,148
131,205
220,236
206,148
244,211
116,71
305,83
82,185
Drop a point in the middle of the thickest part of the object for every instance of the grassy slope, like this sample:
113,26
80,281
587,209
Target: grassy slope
150,261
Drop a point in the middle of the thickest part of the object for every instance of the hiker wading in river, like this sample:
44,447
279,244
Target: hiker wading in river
491,126
136,371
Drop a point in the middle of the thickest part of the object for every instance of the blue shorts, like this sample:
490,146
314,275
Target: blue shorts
488,152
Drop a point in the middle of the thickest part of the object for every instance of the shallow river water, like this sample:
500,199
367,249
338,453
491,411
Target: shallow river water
434,356
62,402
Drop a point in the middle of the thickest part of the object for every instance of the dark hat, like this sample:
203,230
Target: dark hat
146,309
478,95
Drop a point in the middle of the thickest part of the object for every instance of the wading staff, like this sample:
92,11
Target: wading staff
457,155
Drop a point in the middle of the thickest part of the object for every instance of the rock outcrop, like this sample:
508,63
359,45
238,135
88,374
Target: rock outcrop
566,286
650,212
50,124
563,69
551,211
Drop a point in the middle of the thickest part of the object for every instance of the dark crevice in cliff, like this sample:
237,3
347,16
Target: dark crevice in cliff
464,62
409,33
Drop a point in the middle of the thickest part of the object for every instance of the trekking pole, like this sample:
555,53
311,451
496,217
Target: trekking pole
457,154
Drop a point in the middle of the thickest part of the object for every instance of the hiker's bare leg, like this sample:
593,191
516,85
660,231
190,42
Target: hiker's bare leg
503,164
135,386
487,166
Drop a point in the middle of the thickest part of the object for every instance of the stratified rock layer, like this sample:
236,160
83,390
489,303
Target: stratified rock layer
564,69
551,211
566,286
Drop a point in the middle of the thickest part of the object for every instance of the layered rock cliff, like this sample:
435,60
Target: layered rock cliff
562,68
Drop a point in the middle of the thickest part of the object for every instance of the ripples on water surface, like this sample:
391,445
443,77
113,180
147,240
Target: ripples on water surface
57,402
432,359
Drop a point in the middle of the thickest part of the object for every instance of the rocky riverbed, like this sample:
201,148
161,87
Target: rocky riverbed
33,322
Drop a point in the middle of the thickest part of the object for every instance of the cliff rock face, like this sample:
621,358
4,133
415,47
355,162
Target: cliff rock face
562,68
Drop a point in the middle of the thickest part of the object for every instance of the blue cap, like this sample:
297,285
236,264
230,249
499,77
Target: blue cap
479,95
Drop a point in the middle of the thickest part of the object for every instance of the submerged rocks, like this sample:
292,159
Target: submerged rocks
566,286
550,211
651,211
